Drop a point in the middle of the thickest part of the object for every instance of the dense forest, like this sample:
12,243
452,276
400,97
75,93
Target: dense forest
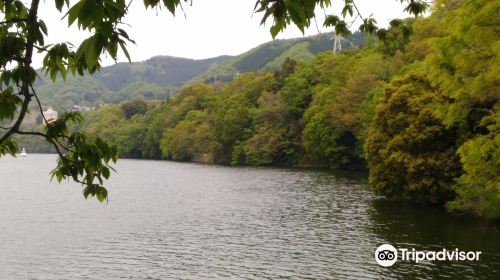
420,112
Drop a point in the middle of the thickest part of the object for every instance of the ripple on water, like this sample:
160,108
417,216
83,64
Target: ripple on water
187,221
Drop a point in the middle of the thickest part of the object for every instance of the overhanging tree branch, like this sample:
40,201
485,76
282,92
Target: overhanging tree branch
14,20
31,133
30,41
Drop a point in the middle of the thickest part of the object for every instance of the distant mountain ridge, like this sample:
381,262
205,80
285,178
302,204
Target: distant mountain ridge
159,76
271,55
161,70
155,78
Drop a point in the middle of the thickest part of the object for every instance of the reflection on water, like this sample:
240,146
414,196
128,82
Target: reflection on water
427,228
186,221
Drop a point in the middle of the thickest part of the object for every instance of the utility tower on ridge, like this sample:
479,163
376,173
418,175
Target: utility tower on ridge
337,43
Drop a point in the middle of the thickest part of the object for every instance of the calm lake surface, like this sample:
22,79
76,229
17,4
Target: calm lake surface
168,220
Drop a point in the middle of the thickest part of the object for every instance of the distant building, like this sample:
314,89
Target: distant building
77,108
50,115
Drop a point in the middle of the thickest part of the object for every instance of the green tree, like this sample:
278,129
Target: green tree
287,68
234,114
297,90
154,131
275,138
479,186
411,154
466,67
192,139
233,120
134,107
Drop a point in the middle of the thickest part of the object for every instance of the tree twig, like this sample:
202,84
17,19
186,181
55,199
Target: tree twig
39,104
357,10
31,133
13,20
30,41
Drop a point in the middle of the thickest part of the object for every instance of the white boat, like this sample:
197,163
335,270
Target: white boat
23,152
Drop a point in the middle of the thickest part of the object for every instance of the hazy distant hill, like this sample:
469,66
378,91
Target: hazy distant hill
154,78
158,77
161,70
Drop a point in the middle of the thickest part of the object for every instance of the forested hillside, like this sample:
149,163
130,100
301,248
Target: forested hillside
159,77
421,113
155,78
270,56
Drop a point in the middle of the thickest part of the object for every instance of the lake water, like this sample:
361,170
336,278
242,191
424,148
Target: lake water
168,220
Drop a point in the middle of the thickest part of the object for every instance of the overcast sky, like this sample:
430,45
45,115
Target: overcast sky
210,28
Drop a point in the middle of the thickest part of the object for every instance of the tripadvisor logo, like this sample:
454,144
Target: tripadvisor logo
387,255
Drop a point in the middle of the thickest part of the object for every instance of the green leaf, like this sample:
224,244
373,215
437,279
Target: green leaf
9,147
368,26
88,191
277,28
101,193
105,172
62,69
124,34
151,3
171,5
91,55
124,49
74,12
347,9
8,103
113,49
59,4
416,7
341,28
43,27
331,20
297,14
